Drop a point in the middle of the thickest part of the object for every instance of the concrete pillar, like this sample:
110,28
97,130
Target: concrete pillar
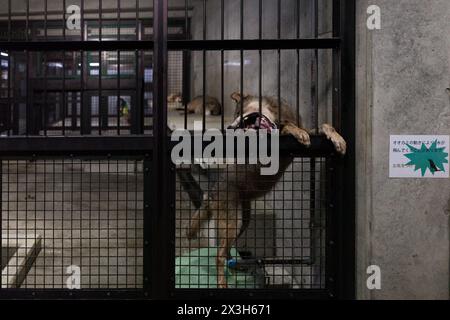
402,72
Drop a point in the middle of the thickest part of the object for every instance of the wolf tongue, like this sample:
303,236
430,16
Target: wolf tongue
258,122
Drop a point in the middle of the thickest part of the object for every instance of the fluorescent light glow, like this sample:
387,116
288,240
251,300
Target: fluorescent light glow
4,54
94,64
237,63
55,65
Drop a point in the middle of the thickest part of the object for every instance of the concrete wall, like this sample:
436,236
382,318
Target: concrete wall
270,58
402,72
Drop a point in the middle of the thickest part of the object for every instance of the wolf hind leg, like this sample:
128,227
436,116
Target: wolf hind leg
202,215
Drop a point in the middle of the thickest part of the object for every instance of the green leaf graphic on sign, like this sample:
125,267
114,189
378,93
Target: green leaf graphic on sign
432,159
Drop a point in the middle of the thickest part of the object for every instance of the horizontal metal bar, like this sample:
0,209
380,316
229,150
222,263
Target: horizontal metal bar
75,45
134,145
264,261
212,294
320,147
79,145
194,45
65,294
185,294
269,44
93,11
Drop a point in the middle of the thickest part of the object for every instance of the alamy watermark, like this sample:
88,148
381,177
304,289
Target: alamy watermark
234,143
374,280
73,21
73,282
374,19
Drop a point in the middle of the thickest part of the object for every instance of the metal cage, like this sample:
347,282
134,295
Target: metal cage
92,205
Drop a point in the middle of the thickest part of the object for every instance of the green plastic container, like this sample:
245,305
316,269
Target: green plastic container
197,270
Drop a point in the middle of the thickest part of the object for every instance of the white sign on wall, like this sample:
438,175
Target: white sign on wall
419,156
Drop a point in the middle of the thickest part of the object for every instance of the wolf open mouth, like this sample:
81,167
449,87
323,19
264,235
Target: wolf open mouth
256,121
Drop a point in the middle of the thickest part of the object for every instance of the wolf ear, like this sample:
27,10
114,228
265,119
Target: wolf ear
237,97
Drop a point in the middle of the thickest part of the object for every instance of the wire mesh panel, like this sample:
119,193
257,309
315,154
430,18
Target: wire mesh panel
72,224
175,75
281,242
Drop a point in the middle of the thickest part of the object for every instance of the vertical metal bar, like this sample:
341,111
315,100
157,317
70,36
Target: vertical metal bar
86,116
162,224
332,174
16,110
149,259
1,218
10,107
118,67
45,19
222,66
135,109
45,122
137,127
204,70
9,19
186,19
241,90
336,68
27,22
136,112
141,83
101,111
186,83
245,204
331,256
45,106
345,173
260,72
315,68
315,110
64,96
30,119
279,58
298,66
74,113
64,19
186,62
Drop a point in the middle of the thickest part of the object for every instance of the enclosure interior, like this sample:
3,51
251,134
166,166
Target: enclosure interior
67,211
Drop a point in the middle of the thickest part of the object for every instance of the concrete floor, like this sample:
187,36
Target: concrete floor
7,253
85,217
